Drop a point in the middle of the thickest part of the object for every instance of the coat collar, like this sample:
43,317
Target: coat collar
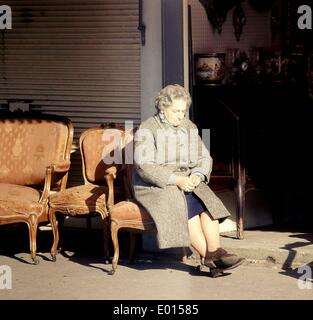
163,123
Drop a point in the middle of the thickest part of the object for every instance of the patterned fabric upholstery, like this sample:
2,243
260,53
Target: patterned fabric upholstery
34,160
19,200
81,200
95,147
100,150
129,211
9,208
28,146
16,192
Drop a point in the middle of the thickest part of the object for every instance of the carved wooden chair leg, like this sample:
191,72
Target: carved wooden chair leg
114,236
106,235
55,230
32,229
60,222
132,245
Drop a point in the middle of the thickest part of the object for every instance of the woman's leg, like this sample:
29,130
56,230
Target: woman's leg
211,231
205,238
216,256
197,238
204,233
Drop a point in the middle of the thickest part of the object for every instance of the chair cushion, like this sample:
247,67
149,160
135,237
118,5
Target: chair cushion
80,200
18,193
16,200
129,210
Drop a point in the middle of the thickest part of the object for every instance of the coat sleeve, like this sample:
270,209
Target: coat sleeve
146,162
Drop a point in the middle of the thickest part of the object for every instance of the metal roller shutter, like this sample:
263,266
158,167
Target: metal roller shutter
80,59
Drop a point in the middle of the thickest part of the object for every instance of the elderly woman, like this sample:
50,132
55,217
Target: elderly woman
172,171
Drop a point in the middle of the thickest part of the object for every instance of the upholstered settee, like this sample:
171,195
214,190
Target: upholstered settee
34,162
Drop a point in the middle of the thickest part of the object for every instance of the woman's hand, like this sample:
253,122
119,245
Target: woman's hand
185,183
195,180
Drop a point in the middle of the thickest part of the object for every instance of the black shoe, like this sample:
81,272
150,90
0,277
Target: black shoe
221,259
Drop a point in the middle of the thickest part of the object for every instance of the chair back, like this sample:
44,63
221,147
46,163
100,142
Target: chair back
29,143
101,148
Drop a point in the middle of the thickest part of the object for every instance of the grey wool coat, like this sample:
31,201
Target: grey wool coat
162,151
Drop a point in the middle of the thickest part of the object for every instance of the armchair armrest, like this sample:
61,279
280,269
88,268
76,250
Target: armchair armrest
111,171
46,190
61,166
109,177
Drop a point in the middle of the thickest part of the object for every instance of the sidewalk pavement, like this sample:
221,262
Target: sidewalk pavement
80,273
284,248
277,246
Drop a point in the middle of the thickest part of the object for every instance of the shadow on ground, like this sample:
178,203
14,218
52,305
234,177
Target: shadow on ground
304,272
86,248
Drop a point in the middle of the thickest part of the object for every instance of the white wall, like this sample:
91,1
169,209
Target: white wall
151,57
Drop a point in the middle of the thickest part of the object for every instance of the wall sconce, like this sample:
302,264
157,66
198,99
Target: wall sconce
217,10
239,20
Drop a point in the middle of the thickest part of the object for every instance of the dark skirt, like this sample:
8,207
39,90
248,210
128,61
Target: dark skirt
194,204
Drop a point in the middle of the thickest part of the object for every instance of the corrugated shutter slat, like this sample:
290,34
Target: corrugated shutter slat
80,59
